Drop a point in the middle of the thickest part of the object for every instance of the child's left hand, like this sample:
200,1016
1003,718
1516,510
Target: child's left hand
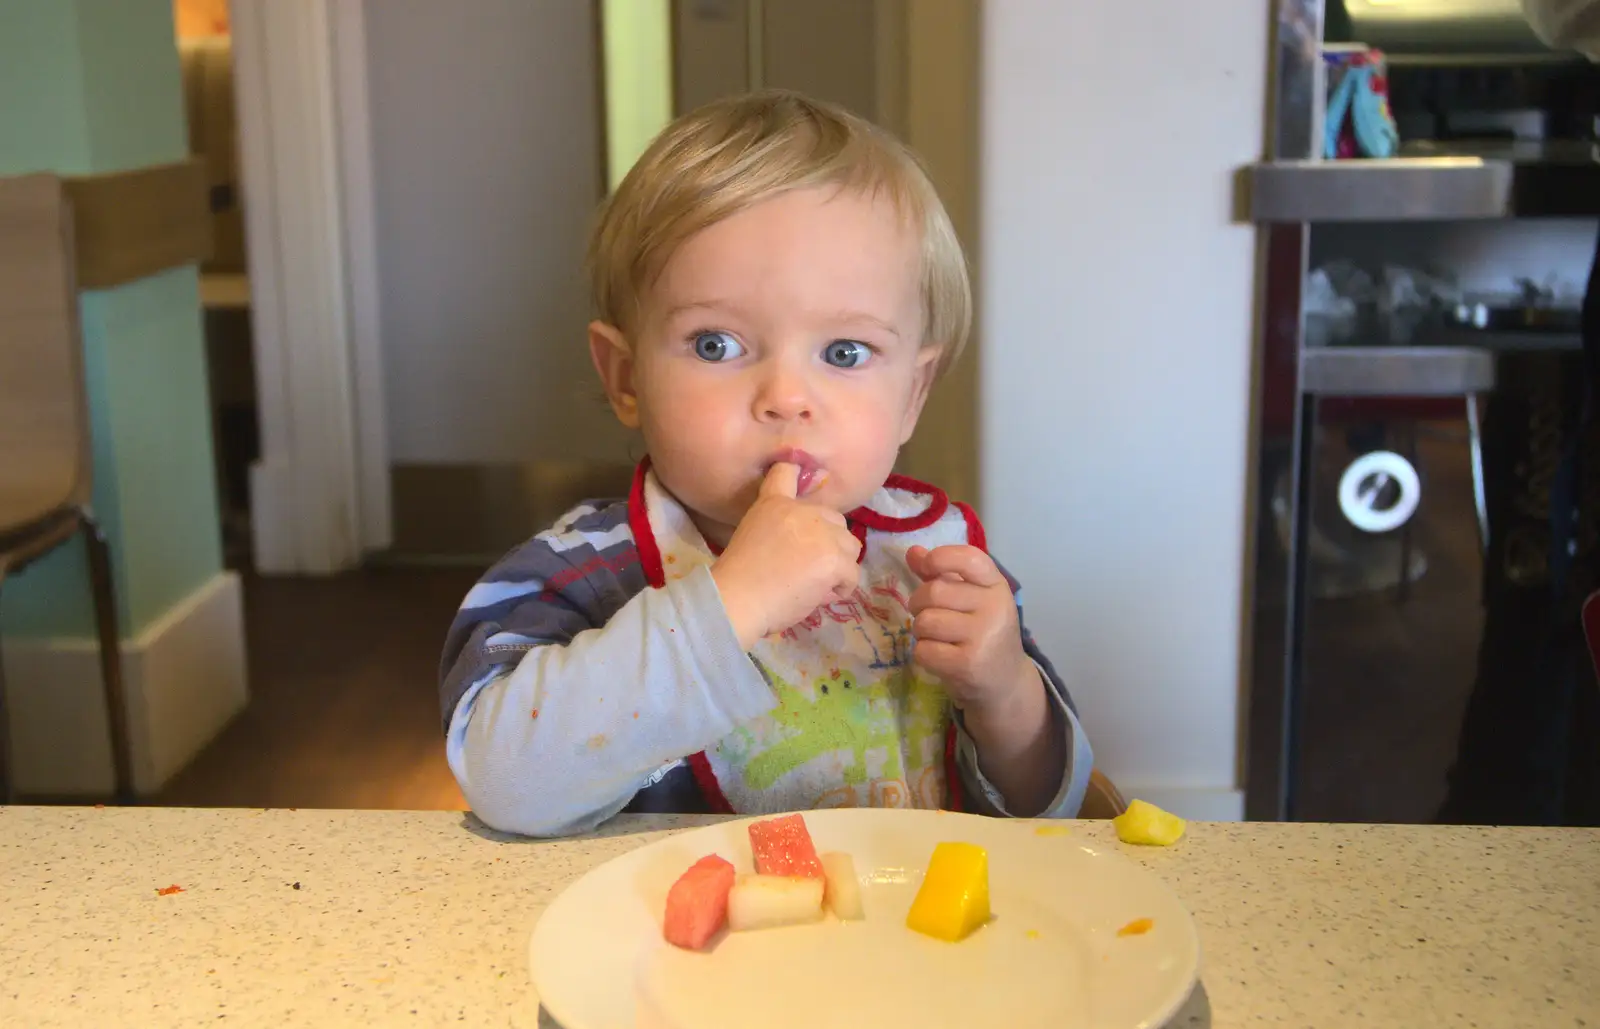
966,630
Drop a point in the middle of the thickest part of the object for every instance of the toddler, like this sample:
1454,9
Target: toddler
771,620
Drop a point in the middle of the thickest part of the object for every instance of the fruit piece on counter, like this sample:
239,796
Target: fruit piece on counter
769,901
697,904
1147,824
953,900
843,893
782,846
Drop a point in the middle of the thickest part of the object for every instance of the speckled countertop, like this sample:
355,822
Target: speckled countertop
398,918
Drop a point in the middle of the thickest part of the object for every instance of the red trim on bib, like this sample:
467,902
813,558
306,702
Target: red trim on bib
706,778
938,504
975,534
639,524
644,538
859,531
952,769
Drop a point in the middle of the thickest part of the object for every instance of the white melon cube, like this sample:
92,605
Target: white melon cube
843,894
769,901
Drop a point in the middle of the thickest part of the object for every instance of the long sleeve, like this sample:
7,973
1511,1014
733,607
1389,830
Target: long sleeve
982,796
563,739
567,683
569,686
1566,24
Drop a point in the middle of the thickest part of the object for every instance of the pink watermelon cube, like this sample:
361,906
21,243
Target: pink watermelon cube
782,846
697,904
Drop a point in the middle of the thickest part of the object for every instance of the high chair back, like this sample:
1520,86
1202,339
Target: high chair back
1103,800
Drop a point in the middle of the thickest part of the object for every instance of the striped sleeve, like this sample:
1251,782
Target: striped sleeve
568,682
573,577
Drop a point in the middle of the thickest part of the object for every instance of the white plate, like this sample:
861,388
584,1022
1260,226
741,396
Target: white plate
1051,955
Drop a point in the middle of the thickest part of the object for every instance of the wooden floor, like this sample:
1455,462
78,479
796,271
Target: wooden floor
344,709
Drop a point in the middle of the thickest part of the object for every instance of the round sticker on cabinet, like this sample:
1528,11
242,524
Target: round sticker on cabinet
1379,492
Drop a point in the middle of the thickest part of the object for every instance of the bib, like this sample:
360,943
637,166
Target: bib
857,723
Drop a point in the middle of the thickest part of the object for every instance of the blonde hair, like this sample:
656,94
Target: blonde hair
732,154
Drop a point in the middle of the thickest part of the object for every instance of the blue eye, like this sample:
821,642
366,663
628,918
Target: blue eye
846,353
716,346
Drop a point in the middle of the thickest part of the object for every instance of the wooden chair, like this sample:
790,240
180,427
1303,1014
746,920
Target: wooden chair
45,458
1103,799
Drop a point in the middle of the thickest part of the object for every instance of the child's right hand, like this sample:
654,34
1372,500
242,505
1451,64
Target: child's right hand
785,559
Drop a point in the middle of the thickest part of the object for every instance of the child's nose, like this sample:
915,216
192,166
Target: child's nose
784,397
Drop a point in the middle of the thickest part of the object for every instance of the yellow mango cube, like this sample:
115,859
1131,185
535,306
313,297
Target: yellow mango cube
953,900
1144,823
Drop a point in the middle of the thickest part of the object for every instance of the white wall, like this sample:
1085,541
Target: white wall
1116,309
486,160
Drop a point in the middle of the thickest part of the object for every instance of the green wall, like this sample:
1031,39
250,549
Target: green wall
41,89
638,76
93,86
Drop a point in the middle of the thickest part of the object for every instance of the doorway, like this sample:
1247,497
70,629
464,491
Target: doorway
205,49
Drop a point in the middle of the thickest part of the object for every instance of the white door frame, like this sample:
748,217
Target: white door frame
319,495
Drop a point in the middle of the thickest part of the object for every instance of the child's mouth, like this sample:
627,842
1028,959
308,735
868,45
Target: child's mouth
811,473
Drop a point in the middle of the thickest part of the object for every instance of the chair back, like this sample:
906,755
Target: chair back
45,460
1103,799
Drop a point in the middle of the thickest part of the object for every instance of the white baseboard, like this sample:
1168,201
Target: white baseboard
1198,805
184,676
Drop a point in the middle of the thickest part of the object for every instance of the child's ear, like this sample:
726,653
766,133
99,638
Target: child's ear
926,373
613,360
